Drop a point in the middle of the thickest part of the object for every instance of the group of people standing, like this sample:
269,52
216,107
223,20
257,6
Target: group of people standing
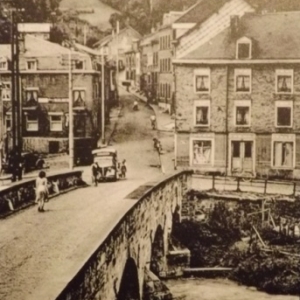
121,169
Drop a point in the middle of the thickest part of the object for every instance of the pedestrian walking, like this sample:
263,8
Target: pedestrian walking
41,190
135,106
95,172
153,122
123,169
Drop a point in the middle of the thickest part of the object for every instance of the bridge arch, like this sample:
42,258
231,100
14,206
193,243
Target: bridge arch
157,252
129,286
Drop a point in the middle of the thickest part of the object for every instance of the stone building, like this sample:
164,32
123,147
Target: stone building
237,98
115,45
44,89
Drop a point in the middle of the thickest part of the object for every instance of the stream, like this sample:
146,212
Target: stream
212,289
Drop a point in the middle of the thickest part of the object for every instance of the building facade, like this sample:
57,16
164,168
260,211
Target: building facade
115,45
237,99
44,89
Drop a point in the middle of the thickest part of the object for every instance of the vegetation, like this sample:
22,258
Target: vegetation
224,238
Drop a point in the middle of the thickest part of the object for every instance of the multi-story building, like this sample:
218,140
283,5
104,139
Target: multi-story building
45,87
149,62
115,45
237,98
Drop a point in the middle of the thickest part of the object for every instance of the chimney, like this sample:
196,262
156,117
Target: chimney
22,47
234,25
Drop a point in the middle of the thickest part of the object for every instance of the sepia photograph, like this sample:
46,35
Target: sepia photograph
149,149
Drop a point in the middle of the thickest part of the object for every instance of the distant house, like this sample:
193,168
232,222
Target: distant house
44,75
237,98
39,30
115,45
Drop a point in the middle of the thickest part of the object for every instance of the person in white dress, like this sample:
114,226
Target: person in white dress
41,190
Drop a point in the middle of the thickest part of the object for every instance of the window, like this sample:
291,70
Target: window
31,65
3,65
243,80
242,113
284,81
283,154
202,113
32,122
8,122
244,48
79,96
79,65
6,91
202,81
202,152
56,122
31,94
284,114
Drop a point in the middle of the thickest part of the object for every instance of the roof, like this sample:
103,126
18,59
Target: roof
200,11
87,50
110,37
273,36
36,47
34,27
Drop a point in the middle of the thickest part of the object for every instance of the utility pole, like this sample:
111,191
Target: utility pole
71,122
102,99
67,60
117,77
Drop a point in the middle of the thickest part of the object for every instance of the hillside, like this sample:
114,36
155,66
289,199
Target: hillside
94,12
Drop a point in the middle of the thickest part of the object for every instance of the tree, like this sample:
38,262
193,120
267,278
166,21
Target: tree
114,18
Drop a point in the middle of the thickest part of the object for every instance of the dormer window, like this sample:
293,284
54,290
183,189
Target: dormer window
244,48
3,65
31,65
79,65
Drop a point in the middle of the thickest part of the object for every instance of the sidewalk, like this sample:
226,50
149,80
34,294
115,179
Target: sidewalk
164,120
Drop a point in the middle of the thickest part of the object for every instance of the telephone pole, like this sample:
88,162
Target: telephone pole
15,94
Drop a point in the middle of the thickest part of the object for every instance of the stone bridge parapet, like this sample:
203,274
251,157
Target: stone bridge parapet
21,194
139,243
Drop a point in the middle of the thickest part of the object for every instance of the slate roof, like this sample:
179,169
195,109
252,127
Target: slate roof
37,47
274,36
202,10
110,37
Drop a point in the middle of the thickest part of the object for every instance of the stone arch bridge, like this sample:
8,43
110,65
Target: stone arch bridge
127,264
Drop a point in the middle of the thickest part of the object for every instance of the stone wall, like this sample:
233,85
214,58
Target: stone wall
22,194
131,239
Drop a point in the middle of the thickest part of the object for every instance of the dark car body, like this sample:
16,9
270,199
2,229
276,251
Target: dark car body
29,160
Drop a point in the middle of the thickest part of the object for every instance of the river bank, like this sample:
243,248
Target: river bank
259,240
212,289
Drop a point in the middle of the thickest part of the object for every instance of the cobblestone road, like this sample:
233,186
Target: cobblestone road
40,253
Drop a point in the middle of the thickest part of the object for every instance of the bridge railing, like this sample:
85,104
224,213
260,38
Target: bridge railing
91,279
244,184
19,195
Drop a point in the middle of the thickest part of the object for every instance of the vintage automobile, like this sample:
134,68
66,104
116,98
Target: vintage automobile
106,158
30,161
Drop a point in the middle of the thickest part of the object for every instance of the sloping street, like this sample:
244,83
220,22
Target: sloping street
35,246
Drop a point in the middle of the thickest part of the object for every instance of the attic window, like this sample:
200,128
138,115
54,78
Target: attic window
79,65
31,65
3,65
244,48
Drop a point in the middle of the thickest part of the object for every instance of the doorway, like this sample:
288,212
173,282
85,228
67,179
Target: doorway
242,156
